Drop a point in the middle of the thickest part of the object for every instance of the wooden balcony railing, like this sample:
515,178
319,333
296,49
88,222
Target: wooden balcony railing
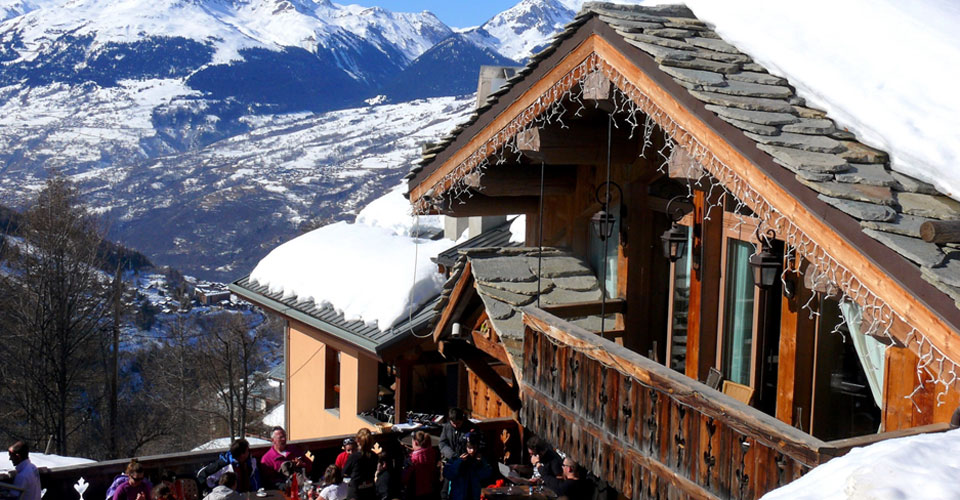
650,431
59,481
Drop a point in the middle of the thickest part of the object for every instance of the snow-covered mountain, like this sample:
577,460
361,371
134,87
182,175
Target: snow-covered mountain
206,131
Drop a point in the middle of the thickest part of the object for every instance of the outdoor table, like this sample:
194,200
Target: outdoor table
514,492
270,495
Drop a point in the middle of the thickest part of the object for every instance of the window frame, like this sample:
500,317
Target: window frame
741,228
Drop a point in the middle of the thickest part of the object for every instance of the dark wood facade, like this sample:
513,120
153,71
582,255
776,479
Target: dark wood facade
631,405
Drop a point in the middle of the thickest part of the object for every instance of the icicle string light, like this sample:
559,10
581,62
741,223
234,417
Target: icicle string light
638,111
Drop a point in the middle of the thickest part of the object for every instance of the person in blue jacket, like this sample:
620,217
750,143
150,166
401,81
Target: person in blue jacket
468,472
237,460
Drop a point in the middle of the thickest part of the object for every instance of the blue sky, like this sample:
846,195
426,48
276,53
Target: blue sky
455,13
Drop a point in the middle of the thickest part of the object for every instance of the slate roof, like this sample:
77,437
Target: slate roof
497,237
846,174
327,319
506,279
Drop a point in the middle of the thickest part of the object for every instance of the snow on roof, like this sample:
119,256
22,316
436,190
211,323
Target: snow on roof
42,460
276,417
224,443
886,69
370,270
923,466
394,213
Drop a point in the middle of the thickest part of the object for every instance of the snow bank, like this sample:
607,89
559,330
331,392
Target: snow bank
886,69
276,417
370,270
41,460
924,467
224,443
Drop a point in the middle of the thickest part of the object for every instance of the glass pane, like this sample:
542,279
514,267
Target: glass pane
681,306
597,258
738,313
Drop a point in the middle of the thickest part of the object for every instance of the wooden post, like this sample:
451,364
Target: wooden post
795,371
403,389
703,311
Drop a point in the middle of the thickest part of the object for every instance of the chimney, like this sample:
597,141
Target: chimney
491,79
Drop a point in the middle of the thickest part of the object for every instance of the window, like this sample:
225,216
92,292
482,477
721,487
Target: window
680,305
331,389
738,307
599,260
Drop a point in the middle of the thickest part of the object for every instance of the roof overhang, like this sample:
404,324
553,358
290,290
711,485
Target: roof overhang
878,278
393,348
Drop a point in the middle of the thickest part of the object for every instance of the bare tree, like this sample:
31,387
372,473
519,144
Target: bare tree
56,310
233,351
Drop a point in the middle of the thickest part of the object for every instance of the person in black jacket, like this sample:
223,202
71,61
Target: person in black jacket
546,462
453,441
361,468
573,483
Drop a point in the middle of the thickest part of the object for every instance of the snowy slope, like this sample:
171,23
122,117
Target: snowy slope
227,26
528,26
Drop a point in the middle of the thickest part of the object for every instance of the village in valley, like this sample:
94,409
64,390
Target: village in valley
584,250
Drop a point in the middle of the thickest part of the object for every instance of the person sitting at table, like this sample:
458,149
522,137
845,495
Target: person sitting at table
237,460
135,488
573,483
546,462
334,488
468,472
420,474
279,453
226,488
361,468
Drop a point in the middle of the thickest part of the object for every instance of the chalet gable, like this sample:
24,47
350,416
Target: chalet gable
744,132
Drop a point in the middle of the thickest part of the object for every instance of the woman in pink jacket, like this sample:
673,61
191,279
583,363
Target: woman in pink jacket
420,477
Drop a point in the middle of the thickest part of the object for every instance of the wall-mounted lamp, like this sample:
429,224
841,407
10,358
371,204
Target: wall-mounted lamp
603,221
765,263
675,238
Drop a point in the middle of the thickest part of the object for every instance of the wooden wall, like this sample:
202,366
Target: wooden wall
901,411
483,402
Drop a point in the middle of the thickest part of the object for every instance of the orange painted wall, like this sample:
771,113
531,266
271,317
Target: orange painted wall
306,416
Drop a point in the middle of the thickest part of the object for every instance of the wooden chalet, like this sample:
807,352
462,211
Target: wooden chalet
679,377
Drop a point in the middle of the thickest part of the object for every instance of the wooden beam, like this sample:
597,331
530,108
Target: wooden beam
589,308
558,180
475,360
401,396
795,367
493,348
940,231
840,447
702,310
598,92
579,144
463,287
479,204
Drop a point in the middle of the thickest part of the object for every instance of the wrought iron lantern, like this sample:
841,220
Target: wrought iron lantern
675,238
604,222
765,263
